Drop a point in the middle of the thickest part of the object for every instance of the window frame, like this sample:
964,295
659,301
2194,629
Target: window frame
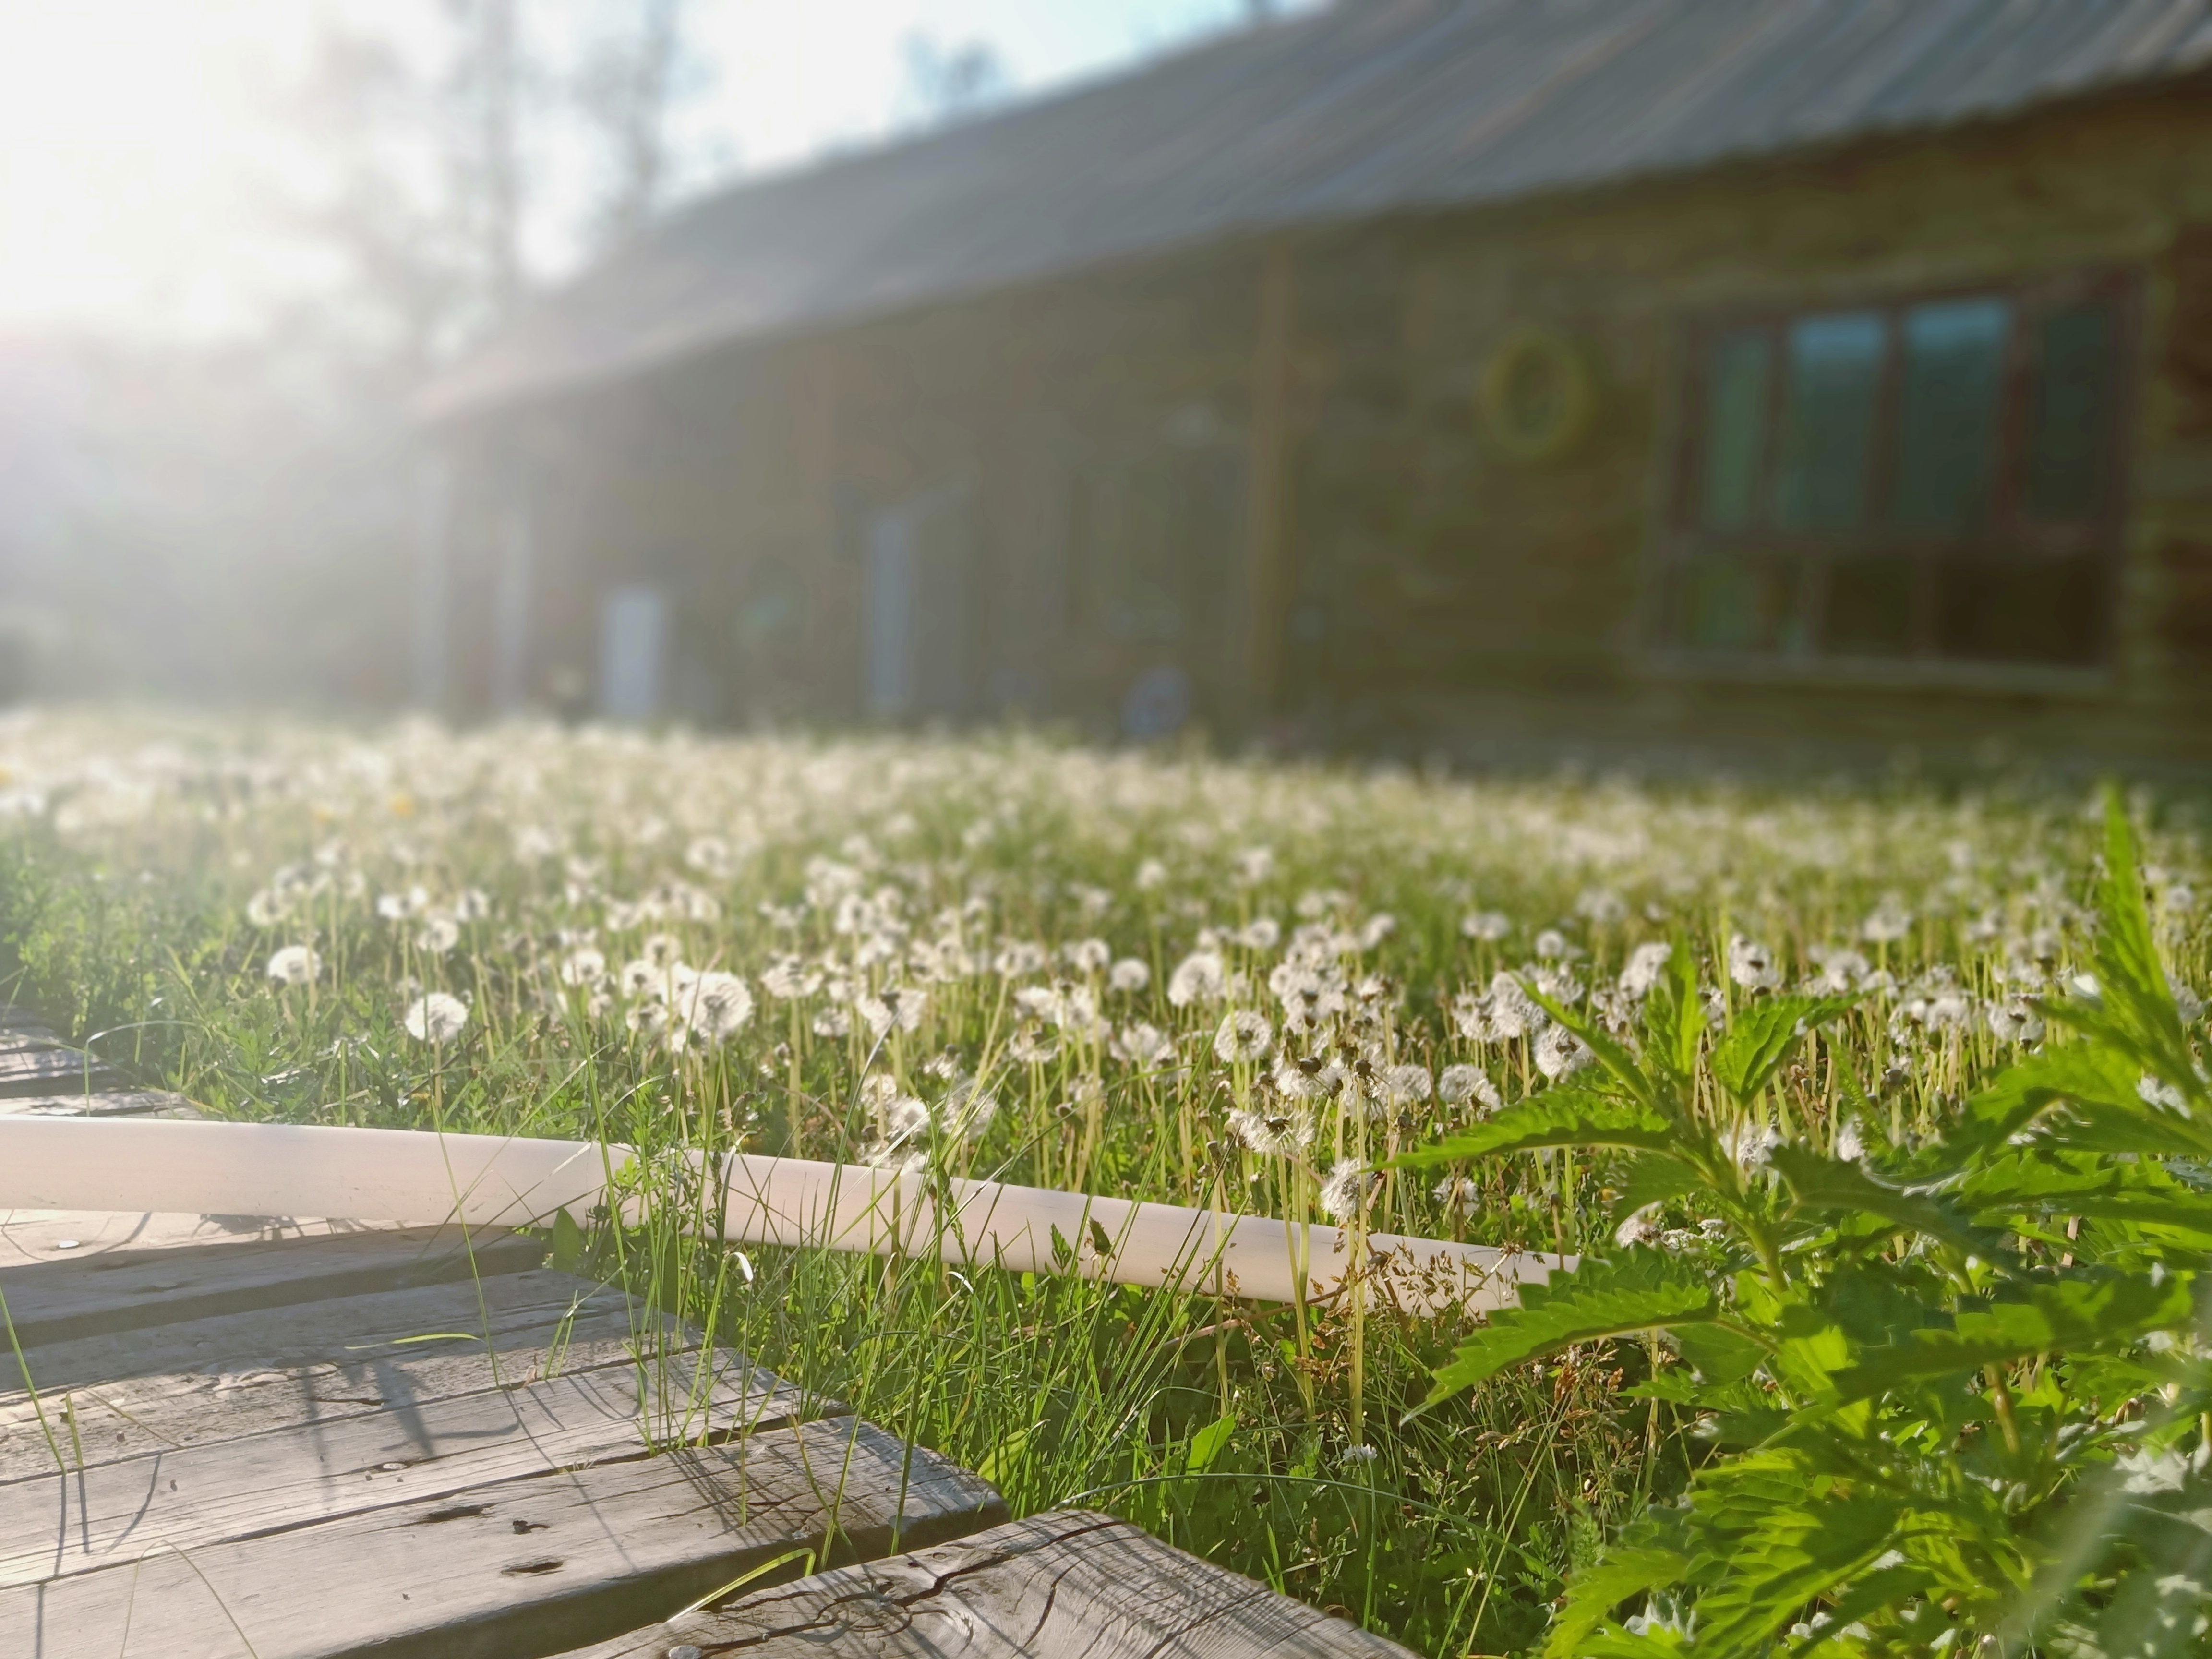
2005,534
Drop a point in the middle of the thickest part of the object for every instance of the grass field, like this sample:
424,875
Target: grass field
1168,977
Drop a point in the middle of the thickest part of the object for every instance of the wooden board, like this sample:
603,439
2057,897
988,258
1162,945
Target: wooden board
1054,1586
56,1301
38,1071
29,1235
1069,1585
32,1063
100,1102
136,1393
524,1567
57,1523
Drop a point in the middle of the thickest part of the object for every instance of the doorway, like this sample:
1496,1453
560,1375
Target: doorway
921,623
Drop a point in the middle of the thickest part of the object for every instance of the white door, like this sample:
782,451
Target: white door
921,593
633,646
890,613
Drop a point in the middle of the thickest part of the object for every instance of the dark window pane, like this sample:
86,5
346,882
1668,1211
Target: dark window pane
1726,603
1869,608
1947,419
2069,437
1735,427
2025,610
1827,428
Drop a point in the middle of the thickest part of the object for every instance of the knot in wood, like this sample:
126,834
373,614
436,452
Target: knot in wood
869,1611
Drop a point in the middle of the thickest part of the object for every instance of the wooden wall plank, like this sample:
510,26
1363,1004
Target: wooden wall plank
135,1393
1070,1585
56,1301
56,1524
524,1567
1266,529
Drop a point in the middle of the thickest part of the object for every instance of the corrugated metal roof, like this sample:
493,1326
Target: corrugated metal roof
1376,105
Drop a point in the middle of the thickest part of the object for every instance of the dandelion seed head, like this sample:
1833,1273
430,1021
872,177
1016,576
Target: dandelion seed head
1280,1131
1888,922
584,967
1559,1053
1643,968
294,964
1244,1036
1751,965
1638,1227
1468,1086
1088,955
715,1007
1407,1084
1199,977
436,1018
1128,976
1345,1190
1146,1047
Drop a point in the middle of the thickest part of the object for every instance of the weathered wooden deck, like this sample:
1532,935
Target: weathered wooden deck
227,1437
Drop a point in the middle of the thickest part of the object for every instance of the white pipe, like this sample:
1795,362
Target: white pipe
426,1180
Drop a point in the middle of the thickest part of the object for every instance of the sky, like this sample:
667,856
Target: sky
139,139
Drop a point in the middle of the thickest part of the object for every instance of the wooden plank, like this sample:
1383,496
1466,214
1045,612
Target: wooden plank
524,1567
1068,1585
33,1063
55,1524
100,1102
29,1235
55,1301
136,1393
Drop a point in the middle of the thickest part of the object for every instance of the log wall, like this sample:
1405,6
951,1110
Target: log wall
1351,559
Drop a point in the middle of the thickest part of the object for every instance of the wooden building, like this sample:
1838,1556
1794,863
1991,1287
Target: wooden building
1413,374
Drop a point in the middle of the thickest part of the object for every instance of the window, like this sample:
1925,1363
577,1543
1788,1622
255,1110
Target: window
1916,484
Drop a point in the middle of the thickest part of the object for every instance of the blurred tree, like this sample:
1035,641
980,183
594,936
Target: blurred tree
627,88
486,86
949,83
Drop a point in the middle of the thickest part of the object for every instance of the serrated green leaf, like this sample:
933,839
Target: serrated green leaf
1593,1593
2140,1194
1564,1116
1613,1642
1611,1054
1763,1036
1643,1290
1652,1179
1872,1592
1719,1354
1794,1554
2076,1317
1674,1015
1829,1184
2131,978
2096,1084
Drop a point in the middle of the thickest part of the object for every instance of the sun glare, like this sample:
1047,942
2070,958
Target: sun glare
128,128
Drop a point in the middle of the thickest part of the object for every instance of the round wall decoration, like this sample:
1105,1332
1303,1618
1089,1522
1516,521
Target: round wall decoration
1538,398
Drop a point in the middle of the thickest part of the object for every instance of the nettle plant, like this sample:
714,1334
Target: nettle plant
1954,1391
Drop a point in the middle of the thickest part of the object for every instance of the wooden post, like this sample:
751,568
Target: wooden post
1268,510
